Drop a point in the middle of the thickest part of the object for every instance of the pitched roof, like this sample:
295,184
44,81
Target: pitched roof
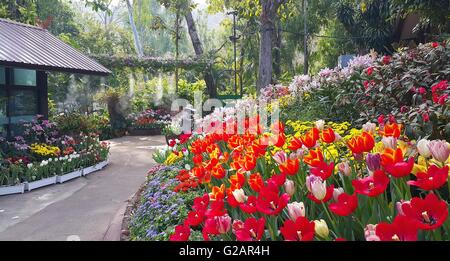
32,47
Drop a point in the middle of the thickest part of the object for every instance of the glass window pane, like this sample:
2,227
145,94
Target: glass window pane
24,77
23,102
3,106
2,75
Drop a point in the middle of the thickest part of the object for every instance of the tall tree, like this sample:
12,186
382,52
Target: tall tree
268,17
137,41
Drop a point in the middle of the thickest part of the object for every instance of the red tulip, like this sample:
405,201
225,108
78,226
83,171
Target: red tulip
295,144
328,135
372,186
346,204
310,138
434,178
323,170
217,225
201,203
249,206
217,208
428,214
251,230
393,162
182,233
327,197
300,230
269,202
361,143
401,229
194,218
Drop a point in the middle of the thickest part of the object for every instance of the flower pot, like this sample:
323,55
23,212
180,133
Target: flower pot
144,132
40,183
7,190
88,170
69,176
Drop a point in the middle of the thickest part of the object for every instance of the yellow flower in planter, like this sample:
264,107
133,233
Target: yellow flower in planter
173,158
45,150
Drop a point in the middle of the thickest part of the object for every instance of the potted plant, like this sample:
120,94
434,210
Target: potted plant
40,175
148,123
70,165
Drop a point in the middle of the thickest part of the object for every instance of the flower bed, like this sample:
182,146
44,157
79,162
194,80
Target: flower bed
326,181
43,157
149,122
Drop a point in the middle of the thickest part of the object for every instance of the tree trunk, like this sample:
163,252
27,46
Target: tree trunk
277,50
265,56
198,48
267,18
137,41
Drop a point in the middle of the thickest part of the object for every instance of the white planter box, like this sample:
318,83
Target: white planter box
96,167
89,170
40,183
69,176
101,165
6,190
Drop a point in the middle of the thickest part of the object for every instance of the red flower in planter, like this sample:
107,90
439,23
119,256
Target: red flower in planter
277,180
218,171
237,180
346,204
300,230
251,230
393,162
290,167
434,44
386,59
217,193
372,186
401,229
428,214
231,199
328,135
256,182
361,143
194,218
269,202
197,159
434,178
369,71
295,144
182,233
310,138
249,206
323,170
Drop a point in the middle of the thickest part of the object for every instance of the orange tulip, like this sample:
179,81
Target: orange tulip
361,143
248,162
310,138
314,158
218,171
295,144
217,193
393,162
278,139
328,135
256,182
290,167
237,180
391,130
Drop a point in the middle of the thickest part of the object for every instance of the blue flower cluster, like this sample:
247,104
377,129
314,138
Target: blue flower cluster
160,209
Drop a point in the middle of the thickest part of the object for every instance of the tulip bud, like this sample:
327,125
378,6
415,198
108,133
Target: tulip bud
280,157
389,142
370,233
321,228
422,147
295,210
319,189
223,223
337,137
320,124
373,161
344,168
336,193
239,195
369,127
399,206
289,187
439,150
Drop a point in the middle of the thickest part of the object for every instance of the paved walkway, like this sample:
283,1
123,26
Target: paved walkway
85,208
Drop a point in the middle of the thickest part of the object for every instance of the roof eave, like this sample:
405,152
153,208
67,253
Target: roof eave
54,69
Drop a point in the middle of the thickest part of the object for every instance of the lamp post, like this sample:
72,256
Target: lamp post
234,39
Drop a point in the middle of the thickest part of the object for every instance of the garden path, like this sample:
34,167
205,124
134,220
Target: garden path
86,208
